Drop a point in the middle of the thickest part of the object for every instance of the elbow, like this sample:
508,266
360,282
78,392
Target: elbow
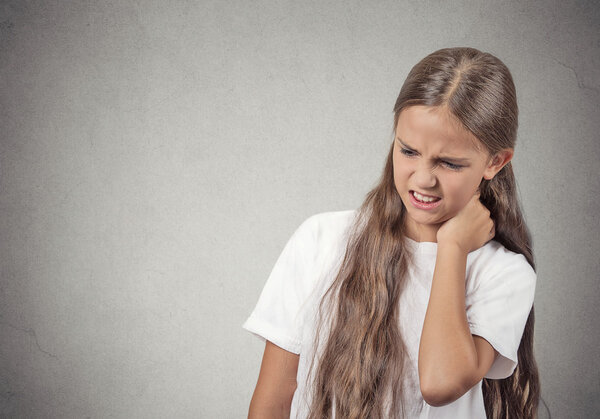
437,396
440,393
441,387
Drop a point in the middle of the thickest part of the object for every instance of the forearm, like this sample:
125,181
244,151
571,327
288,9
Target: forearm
447,352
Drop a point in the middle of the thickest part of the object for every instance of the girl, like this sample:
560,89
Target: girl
420,303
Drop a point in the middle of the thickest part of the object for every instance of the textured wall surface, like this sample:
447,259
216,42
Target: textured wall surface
156,156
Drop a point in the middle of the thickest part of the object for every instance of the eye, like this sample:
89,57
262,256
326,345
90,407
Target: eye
452,166
411,153
407,152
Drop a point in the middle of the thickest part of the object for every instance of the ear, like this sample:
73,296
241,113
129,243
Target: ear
497,162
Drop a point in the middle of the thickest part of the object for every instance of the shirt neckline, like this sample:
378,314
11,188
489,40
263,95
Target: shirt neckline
429,248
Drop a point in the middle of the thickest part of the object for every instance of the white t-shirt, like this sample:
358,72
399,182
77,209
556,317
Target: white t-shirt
500,287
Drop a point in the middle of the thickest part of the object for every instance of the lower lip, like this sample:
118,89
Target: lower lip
423,205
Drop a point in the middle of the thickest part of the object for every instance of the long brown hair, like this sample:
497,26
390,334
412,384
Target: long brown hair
361,368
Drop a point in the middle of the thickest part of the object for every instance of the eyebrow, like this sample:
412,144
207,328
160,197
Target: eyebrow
454,159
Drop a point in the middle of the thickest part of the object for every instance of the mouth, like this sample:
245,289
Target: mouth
423,198
424,202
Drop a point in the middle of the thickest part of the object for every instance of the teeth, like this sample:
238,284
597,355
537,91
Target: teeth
423,198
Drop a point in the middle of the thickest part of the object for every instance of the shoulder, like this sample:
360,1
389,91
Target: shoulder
494,254
494,262
328,225
331,218
322,238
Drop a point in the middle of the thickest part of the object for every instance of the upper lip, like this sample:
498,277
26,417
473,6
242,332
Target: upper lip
426,195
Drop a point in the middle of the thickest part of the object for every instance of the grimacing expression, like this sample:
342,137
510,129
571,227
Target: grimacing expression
435,156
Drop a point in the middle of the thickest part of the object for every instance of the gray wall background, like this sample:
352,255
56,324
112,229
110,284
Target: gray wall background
156,156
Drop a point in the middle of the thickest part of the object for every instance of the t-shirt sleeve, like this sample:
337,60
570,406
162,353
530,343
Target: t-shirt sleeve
276,316
498,303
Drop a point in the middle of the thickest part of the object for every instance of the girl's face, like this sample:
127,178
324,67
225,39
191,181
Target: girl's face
435,156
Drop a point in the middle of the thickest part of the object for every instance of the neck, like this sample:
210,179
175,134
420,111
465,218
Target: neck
420,233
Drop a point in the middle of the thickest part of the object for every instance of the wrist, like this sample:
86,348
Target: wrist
452,247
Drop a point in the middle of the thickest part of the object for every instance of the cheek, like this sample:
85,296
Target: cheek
462,190
401,174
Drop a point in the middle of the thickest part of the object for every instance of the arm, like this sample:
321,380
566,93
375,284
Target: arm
451,360
272,398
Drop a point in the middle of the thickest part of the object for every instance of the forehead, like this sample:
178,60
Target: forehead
437,129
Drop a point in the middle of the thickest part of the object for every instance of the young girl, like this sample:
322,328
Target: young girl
420,303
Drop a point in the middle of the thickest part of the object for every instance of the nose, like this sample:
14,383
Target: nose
424,176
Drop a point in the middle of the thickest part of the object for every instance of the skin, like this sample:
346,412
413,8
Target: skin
423,136
451,359
272,398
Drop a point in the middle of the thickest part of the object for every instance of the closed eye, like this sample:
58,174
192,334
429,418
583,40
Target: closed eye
407,152
411,153
452,165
